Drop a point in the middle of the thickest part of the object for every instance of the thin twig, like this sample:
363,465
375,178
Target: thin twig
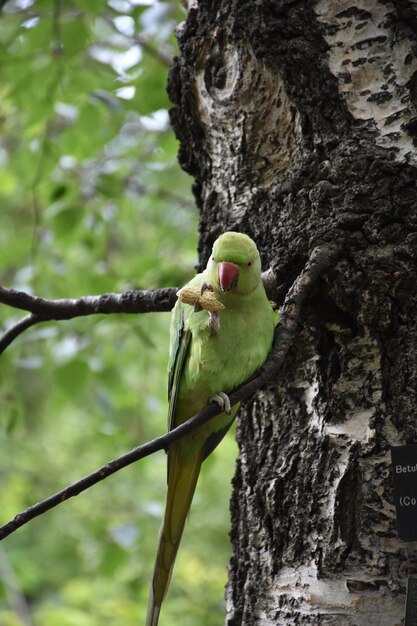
321,258
42,310
16,329
45,141
158,54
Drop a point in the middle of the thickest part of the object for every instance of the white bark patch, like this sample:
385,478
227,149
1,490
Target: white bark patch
190,4
249,123
330,600
364,369
310,394
361,380
372,61
356,426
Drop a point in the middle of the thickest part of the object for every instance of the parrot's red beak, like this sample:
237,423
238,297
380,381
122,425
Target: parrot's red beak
228,273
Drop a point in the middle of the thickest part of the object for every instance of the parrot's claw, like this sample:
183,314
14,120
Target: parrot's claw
223,401
214,322
205,287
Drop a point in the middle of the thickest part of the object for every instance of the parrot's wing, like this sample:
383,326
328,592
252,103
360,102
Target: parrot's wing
178,349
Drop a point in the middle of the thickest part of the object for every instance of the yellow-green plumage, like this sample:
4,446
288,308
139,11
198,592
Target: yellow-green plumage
203,363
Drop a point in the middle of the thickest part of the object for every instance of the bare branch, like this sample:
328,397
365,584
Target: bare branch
65,309
16,329
320,260
42,310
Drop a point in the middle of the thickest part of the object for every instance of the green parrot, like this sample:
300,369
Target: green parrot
210,355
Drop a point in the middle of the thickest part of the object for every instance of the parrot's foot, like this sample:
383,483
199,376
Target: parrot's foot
214,322
223,401
205,287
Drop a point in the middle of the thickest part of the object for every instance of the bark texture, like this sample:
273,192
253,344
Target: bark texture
298,121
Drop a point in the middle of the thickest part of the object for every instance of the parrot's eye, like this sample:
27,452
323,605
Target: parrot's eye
249,263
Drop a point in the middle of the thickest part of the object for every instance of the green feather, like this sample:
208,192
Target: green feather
203,363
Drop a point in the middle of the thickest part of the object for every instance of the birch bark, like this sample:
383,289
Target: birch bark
298,121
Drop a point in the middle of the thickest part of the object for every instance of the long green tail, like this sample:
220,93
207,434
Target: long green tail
182,481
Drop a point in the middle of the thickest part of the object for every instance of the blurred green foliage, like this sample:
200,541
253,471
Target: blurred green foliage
92,200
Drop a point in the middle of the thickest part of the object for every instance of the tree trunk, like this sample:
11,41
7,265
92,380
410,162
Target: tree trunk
298,121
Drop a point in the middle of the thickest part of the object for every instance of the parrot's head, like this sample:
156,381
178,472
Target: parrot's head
234,265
